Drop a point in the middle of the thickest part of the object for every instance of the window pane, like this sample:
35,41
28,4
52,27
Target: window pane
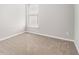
33,9
32,22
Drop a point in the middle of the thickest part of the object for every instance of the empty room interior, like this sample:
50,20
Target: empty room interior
39,29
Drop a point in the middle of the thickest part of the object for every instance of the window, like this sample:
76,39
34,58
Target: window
32,20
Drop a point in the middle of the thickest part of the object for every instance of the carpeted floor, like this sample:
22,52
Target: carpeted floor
31,44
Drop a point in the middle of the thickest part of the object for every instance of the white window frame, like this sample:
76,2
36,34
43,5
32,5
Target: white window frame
32,14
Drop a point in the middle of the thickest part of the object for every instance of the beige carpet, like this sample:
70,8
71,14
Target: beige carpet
31,44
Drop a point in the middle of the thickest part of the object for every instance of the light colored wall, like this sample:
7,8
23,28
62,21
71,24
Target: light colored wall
77,26
12,19
55,20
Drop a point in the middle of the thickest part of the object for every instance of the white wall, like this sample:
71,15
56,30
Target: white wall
55,20
12,19
77,26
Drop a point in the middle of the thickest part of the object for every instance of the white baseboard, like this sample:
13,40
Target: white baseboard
51,36
76,47
11,36
36,34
